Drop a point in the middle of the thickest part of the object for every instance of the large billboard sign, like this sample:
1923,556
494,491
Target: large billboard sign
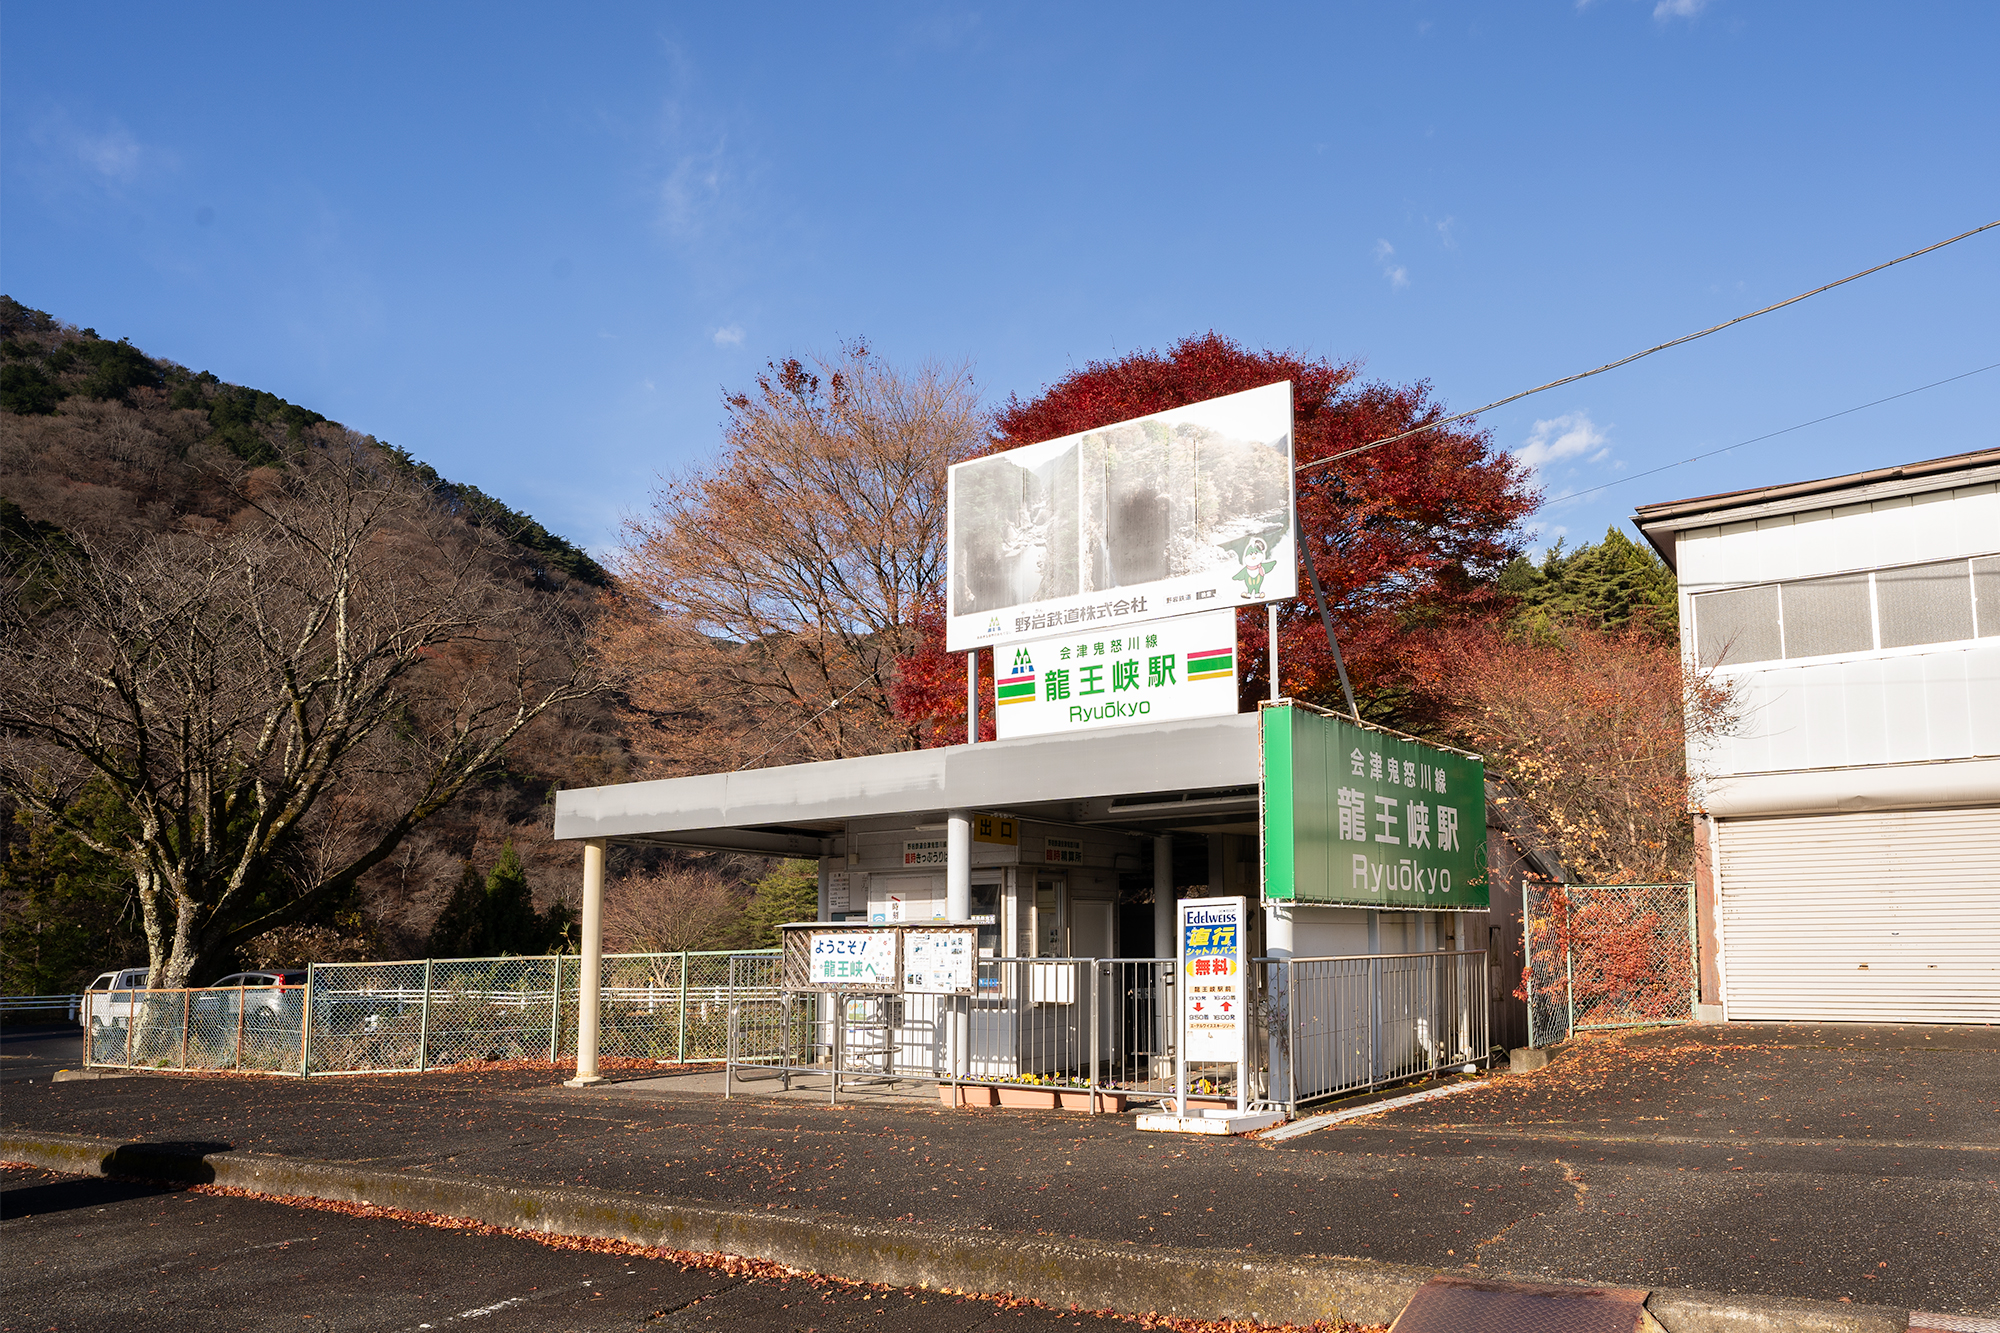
1360,817
1187,510
1160,671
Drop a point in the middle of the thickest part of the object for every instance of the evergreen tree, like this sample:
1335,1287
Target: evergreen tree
789,893
66,911
461,928
511,924
1608,585
497,915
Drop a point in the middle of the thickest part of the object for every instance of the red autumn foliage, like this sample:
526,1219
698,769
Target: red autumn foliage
1413,531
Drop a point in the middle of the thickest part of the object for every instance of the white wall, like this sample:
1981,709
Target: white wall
1899,531
1905,706
1863,709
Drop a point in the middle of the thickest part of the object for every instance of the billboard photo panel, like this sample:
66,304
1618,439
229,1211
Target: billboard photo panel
1185,510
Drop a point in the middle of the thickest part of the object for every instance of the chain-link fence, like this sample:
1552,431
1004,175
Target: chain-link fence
1607,956
236,1027
415,1015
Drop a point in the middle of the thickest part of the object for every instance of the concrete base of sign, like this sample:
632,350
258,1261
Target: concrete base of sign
1212,1122
582,1081
1526,1060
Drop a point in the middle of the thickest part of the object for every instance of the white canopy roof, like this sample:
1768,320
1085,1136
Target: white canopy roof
1174,774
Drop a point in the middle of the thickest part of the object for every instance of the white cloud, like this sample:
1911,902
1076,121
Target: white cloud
114,154
1444,233
1572,435
692,190
1385,258
1542,536
109,157
730,335
1678,9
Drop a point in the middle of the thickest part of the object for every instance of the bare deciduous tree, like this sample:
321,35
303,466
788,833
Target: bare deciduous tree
767,599
277,705
671,910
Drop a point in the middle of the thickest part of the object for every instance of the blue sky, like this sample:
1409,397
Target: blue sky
536,245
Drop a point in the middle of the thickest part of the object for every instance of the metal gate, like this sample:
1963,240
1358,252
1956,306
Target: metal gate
1607,956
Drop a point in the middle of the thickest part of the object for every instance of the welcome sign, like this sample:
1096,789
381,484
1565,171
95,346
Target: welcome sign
1159,672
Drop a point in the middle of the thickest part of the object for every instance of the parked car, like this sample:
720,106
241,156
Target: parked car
108,1000
261,999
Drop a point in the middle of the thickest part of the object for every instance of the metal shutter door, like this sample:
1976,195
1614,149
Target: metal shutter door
1868,918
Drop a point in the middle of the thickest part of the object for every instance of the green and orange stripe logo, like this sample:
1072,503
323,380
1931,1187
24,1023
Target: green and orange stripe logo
1210,663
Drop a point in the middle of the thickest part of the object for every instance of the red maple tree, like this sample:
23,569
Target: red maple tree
1409,533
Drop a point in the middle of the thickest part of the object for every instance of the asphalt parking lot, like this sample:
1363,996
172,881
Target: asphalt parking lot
1819,1162
88,1254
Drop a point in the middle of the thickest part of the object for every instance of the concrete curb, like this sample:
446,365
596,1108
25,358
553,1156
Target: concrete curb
1204,1284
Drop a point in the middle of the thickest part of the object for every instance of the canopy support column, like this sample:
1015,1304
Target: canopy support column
958,867
589,985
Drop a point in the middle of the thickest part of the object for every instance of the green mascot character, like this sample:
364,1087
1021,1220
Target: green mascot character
1256,564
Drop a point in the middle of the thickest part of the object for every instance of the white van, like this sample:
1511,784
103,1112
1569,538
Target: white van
108,1001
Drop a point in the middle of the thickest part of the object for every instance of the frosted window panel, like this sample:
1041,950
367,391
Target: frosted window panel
1828,616
1986,593
1740,625
1924,603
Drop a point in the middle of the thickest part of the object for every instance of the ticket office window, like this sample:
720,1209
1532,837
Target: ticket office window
986,915
1041,925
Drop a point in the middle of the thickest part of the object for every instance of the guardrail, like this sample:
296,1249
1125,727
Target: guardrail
66,1005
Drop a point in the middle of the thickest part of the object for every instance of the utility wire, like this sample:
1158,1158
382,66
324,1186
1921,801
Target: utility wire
1626,361
802,726
1572,495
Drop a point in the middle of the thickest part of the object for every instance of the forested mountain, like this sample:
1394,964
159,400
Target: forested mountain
104,438
105,447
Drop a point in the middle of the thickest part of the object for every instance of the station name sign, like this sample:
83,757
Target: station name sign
1361,817
1169,669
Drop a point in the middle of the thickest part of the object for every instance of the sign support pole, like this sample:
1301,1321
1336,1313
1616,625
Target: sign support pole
972,697
1325,616
1271,642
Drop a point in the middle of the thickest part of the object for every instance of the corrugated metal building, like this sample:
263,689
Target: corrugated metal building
1849,839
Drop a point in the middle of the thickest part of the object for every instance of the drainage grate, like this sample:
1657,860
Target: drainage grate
1459,1305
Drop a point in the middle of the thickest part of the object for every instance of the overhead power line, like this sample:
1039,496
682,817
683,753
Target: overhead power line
1628,360
1696,458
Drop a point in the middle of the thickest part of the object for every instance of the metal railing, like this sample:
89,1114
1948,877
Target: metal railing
1345,1024
14,1005
1100,1033
241,1027
414,1015
1075,1030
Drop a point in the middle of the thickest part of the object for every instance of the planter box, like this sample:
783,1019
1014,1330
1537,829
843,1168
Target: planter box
1030,1098
967,1094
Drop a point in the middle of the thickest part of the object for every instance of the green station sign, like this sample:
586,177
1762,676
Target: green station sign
1358,817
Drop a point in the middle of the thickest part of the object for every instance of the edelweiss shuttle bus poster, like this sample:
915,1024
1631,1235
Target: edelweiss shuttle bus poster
1187,510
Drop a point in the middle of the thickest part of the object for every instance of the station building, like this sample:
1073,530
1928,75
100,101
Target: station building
1049,844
